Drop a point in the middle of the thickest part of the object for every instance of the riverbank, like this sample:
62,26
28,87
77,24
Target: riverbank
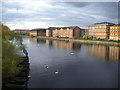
84,41
20,80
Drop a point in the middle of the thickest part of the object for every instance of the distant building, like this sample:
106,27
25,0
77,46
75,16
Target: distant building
49,31
70,32
82,31
100,30
115,32
86,32
38,32
21,31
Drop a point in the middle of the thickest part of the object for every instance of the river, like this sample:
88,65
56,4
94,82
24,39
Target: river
65,64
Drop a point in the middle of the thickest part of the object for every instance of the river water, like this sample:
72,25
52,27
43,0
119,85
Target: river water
64,64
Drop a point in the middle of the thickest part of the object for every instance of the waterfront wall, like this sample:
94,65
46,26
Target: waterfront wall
85,41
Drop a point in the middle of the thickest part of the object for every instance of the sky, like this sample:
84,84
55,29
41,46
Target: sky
29,14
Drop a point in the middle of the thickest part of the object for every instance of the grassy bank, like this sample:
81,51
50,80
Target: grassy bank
10,58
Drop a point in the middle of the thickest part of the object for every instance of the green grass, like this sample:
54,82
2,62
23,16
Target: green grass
10,58
10,61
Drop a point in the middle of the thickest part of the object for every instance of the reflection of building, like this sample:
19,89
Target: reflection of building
115,32
65,45
100,30
99,51
38,32
33,39
104,52
114,53
38,40
69,32
21,31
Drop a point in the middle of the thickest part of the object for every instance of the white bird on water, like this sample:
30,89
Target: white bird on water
29,76
71,53
47,66
56,72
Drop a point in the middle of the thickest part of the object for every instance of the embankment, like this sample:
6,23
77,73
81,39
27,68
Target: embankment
85,41
20,80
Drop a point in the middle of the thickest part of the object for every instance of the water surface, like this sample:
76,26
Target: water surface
64,64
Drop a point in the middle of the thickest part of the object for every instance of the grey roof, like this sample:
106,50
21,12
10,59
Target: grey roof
102,23
52,28
107,23
38,29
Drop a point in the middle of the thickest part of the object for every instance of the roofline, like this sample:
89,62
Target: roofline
53,28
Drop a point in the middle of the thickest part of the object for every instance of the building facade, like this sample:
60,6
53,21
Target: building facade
38,32
100,30
69,32
49,31
21,31
115,32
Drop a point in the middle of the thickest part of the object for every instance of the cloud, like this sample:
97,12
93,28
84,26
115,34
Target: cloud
79,4
29,14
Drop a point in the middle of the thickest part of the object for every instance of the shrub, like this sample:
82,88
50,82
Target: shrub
88,37
10,58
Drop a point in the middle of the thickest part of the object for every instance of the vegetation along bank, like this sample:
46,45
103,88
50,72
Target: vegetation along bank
15,62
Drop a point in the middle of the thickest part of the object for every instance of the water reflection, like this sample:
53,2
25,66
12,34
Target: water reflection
99,51
38,40
104,52
65,45
66,64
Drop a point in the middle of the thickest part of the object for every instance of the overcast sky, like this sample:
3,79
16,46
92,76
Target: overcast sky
35,14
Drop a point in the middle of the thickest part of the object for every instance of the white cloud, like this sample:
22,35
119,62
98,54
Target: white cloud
63,15
36,14
31,25
46,18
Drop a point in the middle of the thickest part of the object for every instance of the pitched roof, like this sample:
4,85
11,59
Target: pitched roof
106,23
38,29
117,25
102,23
53,28
21,30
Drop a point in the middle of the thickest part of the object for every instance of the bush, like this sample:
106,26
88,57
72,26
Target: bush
88,37
10,58
100,39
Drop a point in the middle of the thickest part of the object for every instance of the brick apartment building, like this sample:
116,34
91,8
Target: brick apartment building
21,31
115,32
100,30
70,32
38,32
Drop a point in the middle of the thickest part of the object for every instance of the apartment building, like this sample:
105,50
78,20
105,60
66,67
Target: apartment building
38,32
70,32
115,32
21,31
100,30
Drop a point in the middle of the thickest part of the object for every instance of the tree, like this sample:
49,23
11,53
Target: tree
9,57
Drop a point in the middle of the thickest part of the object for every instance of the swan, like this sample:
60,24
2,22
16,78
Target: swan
29,76
56,72
47,66
71,53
